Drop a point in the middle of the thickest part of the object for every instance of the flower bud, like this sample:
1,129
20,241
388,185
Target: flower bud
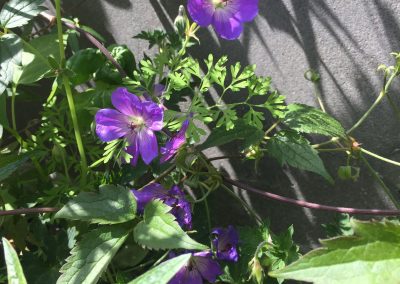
257,272
181,21
348,173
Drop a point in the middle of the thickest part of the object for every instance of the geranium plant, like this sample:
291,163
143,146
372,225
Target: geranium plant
110,182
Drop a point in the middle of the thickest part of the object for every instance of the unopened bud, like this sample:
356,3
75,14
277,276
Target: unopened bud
257,272
181,21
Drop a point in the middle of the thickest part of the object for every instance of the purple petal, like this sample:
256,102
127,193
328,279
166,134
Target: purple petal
153,115
111,124
147,194
208,268
148,146
133,149
158,90
183,213
127,103
225,242
201,11
172,146
187,276
245,10
226,25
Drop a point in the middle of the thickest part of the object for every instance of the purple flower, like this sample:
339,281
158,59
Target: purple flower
175,198
173,145
200,267
225,242
226,16
135,120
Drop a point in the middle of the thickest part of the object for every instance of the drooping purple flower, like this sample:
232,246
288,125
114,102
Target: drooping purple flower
173,145
135,120
175,198
225,242
226,16
200,267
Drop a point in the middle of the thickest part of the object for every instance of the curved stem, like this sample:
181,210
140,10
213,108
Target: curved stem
311,205
380,157
70,98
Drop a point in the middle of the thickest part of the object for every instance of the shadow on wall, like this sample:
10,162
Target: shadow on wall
309,24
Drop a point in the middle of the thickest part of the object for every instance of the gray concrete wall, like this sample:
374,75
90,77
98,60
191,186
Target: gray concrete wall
344,40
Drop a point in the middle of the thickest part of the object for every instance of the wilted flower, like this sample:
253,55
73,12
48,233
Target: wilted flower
200,267
173,145
225,242
226,16
135,120
175,198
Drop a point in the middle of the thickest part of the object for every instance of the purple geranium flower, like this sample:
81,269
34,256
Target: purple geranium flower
173,145
200,267
226,16
135,120
225,242
175,198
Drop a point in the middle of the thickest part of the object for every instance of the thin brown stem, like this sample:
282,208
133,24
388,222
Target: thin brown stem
22,211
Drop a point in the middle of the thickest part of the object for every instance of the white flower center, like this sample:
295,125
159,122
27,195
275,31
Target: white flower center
136,122
219,3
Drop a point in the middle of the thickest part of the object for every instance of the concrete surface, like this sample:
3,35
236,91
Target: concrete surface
344,40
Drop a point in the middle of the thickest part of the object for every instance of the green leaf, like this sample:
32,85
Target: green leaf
163,272
306,119
372,255
91,256
15,274
10,56
242,131
112,205
10,163
17,13
293,149
159,230
1,131
84,63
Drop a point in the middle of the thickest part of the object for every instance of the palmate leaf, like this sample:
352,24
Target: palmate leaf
163,272
159,230
307,119
112,205
371,256
17,13
15,274
91,256
293,149
10,57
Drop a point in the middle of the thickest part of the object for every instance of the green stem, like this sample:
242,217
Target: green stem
273,126
380,157
394,106
207,209
14,121
333,150
70,98
381,182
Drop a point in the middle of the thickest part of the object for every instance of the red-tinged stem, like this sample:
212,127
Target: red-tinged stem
22,211
311,205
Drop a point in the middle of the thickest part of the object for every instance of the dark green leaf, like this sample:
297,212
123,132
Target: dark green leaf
293,149
17,13
10,163
112,205
10,56
159,230
372,255
84,63
164,272
15,274
307,119
91,256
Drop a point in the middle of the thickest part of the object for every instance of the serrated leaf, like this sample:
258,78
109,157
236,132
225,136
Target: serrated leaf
10,56
10,163
159,230
371,256
242,131
163,272
91,256
111,205
15,274
293,149
306,119
17,13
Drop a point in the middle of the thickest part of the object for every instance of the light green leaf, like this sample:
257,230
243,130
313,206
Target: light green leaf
111,205
1,131
10,56
307,119
242,131
17,13
371,256
293,149
159,230
91,256
10,163
163,272
15,274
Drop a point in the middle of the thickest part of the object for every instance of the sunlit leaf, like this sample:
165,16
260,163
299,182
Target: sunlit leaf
16,13
15,274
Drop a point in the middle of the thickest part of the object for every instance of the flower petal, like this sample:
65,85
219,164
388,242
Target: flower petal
201,11
150,192
127,103
208,268
153,115
173,145
111,124
148,146
133,149
226,25
245,10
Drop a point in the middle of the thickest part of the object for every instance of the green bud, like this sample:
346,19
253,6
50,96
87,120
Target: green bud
181,21
257,272
349,173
